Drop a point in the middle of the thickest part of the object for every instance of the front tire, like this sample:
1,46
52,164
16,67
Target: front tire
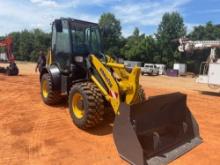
49,96
86,105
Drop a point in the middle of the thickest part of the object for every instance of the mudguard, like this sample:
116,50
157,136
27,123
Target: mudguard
55,74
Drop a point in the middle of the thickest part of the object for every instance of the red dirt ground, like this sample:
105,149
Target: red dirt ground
34,133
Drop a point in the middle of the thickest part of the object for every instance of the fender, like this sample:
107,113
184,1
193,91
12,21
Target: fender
55,74
44,70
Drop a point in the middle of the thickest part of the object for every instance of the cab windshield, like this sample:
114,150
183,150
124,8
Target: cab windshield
86,40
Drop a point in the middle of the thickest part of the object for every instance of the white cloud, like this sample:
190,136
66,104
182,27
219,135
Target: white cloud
146,12
127,31
76,3
19,16
72,3
28,14
191,26
47,3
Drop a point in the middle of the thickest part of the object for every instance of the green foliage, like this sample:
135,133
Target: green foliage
135,46
159,50
27,44
171,27
41,42
207,32
111,32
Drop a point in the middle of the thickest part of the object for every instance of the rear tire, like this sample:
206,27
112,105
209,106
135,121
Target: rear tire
49,96
86,105
12,71
8,72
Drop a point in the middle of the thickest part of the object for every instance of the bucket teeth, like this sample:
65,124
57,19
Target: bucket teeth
134,124
156,140
185,127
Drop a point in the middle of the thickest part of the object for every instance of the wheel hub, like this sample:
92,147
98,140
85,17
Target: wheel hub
45,89
78,105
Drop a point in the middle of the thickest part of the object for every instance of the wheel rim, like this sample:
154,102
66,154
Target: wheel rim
77,105
45,89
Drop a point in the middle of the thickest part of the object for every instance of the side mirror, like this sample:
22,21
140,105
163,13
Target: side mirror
59,26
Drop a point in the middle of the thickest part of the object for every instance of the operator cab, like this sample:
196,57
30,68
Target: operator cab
72,41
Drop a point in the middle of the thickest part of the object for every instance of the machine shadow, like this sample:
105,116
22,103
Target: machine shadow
153,75
104,128
62,104
23,75
209,93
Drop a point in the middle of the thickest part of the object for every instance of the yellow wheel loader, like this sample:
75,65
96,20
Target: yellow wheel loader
146,131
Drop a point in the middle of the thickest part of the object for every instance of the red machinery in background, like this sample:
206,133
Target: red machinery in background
8,57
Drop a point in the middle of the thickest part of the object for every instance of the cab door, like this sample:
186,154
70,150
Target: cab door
61,45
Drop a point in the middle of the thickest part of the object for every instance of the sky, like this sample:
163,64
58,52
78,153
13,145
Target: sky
17,15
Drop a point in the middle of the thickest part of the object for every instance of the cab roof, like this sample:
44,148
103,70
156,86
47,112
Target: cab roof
79,23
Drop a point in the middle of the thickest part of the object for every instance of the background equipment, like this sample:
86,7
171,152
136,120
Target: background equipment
150,69
209,69
8,57
153,131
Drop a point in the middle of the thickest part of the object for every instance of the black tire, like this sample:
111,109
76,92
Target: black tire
16,72
8,71
93,105
12,70
53,97
141,95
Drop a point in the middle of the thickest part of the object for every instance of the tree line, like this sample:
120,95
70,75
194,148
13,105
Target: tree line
160,47
27,44
157,48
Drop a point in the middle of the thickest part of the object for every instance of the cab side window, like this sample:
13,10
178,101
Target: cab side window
53,42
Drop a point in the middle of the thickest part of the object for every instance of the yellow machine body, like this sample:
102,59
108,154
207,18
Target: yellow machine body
142,130
146,132
121,82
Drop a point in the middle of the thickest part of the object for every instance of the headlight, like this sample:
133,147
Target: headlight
78,59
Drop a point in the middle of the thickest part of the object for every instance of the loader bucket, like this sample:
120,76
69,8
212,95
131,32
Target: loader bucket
157,131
